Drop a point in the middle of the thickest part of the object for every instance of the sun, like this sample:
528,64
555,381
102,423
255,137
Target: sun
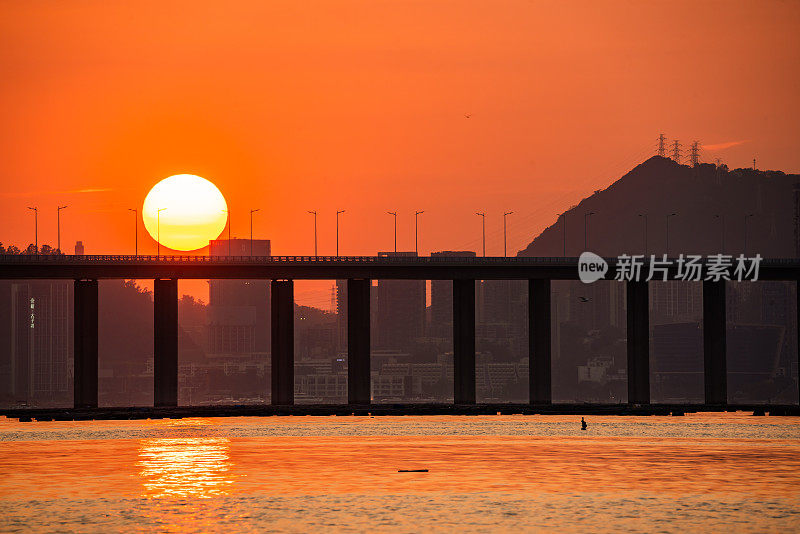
192,211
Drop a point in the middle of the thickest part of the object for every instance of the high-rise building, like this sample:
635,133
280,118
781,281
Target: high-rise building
597,305
239,310
677,361
37,362
79,248
441,318
675,301
341,315
400,317
502,313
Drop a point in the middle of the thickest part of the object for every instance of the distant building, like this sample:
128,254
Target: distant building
502,314
79,248
239,310
400,314
675,301
441,317
36,361
597,305
341,315
677,362
321,387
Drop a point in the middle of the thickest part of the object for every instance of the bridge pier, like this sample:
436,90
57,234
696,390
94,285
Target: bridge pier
797,326
283,342
464,341
539,343
165,335
638,320
714,343
85,344
358,341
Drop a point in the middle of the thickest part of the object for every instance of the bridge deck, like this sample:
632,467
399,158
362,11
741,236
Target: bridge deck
18,267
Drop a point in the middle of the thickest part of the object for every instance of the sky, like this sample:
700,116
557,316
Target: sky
371,106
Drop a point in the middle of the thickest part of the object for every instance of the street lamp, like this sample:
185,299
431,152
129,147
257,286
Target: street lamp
135,231
504,232
745,223
394,213
158,231
586,229
35,227
416,241
314,213
483,217
58,223
337,230
668,216
644,218
251,229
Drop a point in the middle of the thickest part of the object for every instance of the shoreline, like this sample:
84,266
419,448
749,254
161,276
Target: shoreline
180,412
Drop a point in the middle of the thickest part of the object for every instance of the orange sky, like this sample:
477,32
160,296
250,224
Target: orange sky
295,106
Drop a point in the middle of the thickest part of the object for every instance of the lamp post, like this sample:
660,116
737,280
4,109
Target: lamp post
483,224
337,230
314,213
586,230
644,218
135,231
158,232
722,231
35,227
251,229
505,253
58,226
394,213
416,234
745,223
668,216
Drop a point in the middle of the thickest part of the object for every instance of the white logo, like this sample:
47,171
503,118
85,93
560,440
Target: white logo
591,267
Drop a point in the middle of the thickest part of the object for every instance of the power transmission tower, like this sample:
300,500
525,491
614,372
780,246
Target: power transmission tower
661,150
676,151
694,157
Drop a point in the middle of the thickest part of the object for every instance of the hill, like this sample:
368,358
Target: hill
702,197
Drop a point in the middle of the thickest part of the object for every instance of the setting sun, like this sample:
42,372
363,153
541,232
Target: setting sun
192,212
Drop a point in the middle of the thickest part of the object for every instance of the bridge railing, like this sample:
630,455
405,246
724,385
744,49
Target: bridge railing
186,259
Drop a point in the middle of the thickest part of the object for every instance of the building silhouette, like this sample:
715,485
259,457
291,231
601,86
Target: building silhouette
35,356
400,314
238,310
441,315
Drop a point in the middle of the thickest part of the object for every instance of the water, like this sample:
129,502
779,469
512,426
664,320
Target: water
699,472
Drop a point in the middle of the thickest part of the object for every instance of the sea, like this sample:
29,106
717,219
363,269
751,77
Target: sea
714,472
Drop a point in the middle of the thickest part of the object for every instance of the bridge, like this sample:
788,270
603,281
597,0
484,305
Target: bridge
359,272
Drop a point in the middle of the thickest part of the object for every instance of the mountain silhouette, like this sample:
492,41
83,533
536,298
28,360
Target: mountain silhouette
701,198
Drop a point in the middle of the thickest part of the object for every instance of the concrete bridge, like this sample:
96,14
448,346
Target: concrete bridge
359,272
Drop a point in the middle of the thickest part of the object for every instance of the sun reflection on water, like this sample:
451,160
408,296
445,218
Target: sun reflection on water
190,467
